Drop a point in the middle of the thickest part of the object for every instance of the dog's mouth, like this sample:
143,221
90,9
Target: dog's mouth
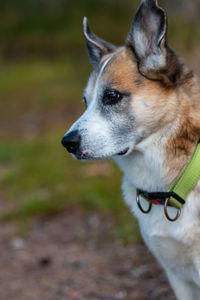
86,155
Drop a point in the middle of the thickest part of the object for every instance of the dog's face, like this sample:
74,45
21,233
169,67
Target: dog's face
107,127
126,93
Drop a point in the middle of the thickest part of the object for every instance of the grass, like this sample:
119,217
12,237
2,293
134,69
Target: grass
41,180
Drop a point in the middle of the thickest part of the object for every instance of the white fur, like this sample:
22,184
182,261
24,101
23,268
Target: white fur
176,245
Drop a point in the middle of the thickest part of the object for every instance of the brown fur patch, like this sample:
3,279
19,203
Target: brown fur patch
152,102
181,145
122,71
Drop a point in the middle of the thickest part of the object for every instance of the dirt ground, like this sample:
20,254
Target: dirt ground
74,256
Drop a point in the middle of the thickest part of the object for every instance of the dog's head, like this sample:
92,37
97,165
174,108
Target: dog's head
131,91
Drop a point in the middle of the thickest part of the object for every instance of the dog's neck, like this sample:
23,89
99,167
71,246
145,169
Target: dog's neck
144,167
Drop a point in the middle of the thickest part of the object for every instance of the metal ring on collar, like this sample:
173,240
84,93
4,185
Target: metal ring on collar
166,212
140,206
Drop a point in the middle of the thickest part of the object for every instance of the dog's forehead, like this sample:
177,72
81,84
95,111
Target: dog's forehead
121,71
118,70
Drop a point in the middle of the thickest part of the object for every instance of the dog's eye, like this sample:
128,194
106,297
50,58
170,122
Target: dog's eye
112,97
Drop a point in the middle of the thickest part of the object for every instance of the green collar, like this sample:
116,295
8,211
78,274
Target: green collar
178,193
185,184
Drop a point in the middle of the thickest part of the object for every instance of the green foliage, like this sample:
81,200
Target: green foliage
51,28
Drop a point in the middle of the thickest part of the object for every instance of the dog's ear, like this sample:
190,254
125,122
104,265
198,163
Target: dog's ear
148,37
96,47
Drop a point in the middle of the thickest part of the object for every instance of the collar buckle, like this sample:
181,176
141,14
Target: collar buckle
162,199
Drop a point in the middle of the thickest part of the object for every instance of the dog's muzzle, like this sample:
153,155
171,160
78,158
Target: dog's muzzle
72,141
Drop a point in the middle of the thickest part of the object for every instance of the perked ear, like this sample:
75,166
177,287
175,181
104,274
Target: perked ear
96,47
148,38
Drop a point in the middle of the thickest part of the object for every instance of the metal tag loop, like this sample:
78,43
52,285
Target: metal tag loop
166,212
140,206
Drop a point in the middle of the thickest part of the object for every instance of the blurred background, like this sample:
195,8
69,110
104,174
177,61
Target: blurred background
63,224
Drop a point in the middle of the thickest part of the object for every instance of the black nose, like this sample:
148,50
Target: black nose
72,141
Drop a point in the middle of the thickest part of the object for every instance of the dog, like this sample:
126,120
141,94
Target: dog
143,110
